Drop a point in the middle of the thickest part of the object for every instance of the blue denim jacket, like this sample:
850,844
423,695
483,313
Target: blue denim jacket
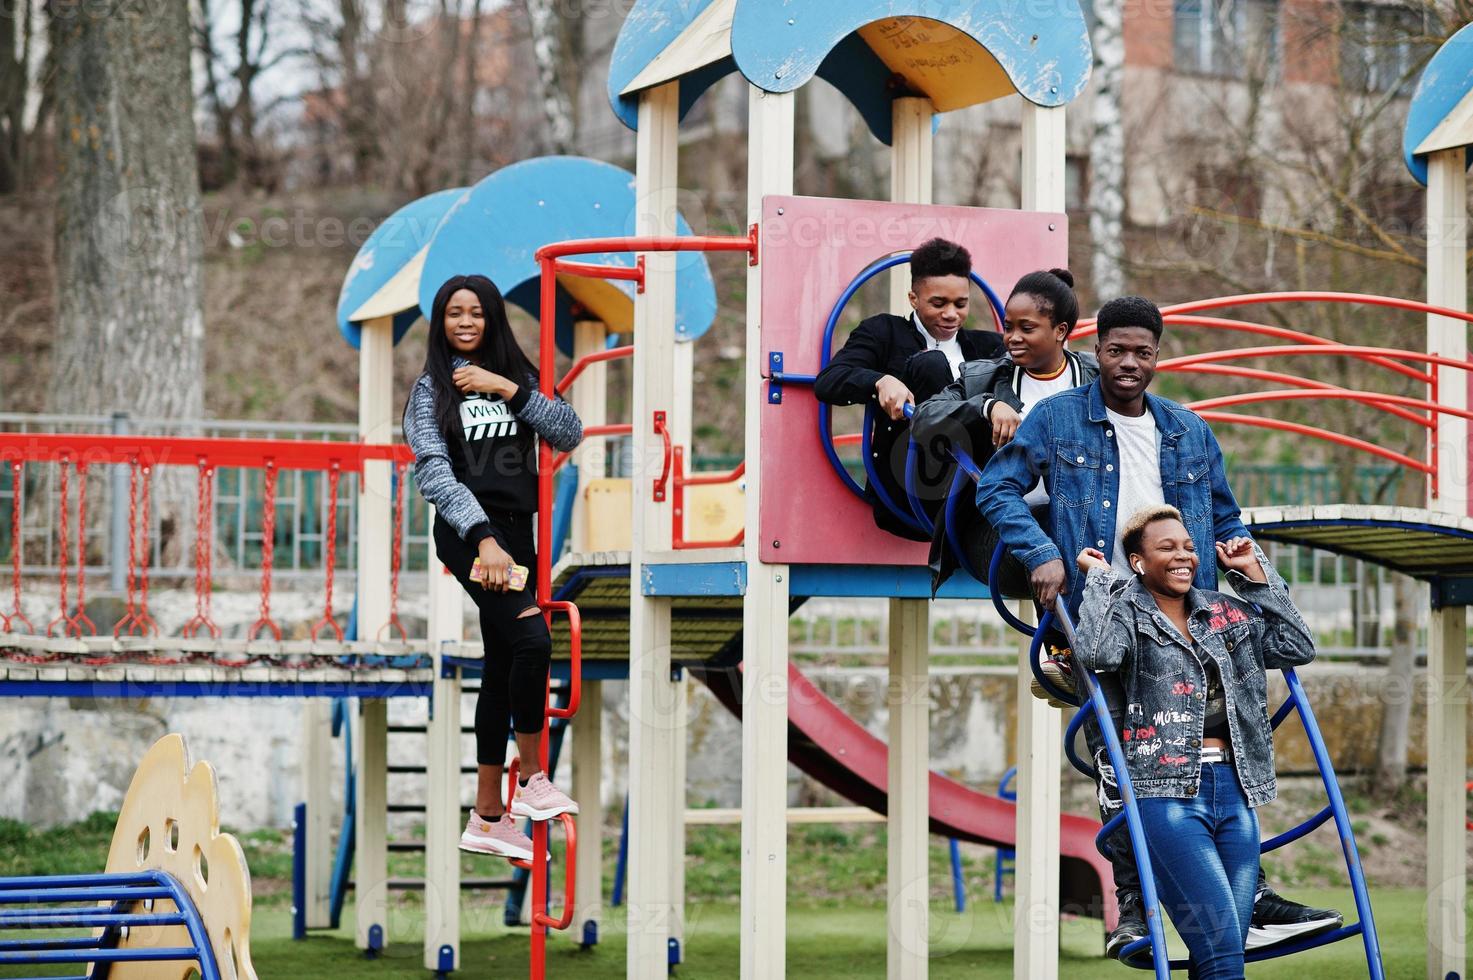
1068,440
1122,629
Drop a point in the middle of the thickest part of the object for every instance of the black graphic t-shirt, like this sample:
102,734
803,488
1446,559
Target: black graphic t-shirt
494,453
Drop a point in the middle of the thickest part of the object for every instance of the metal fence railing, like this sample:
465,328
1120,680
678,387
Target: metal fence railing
1350,604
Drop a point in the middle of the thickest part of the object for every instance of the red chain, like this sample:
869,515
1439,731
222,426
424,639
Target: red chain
17,482
395,551
268,554
332,551
79,618
137,621
61,531
203,554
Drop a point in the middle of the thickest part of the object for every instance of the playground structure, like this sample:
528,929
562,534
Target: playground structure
709,600
179,889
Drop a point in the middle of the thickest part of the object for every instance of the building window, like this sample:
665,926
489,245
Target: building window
1227,38
1379,47
1076,182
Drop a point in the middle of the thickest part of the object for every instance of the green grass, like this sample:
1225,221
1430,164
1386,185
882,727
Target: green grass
836,916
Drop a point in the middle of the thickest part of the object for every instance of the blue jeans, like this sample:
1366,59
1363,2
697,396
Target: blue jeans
1204,852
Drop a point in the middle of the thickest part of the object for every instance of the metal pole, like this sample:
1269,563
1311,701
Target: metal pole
118,530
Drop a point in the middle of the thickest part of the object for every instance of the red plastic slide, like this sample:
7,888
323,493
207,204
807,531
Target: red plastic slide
825,743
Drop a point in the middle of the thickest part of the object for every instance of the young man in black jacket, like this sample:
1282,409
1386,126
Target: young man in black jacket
894,361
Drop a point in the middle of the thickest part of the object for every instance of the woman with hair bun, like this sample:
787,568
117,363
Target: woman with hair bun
983,409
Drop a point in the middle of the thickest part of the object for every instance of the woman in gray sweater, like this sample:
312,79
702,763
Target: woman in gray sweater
473,420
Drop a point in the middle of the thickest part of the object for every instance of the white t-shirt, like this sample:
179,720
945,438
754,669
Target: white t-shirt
951,348
1031,392
1140,476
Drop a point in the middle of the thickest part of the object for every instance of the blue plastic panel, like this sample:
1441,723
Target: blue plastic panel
1446,79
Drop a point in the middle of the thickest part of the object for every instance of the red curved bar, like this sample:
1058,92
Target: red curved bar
580,365
1230,418
590,270
1253,397
570,831
1267,330
575,656
616,429
1294,380
1361,299
648,243
1321,350
661,430
706,479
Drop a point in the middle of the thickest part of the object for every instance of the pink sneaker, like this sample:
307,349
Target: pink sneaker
541,800
498,837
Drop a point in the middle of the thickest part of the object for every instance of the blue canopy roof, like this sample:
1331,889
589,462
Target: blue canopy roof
958,54
1447,78
495,227
389,249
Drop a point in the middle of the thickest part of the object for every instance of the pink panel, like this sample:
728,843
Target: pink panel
811,249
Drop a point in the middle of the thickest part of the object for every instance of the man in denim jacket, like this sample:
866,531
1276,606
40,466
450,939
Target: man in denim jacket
1103,451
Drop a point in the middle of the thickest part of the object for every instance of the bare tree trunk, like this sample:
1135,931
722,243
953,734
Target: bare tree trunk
547,49
361,115
1107,153
15,64
129,243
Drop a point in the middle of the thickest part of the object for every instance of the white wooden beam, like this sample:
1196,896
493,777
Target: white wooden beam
652,812
909,695
765,612
317,780
443,749
588,745
680,721
908,788
1040,748
1447,653
375,525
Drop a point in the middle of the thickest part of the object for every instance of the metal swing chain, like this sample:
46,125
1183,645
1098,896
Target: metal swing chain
203,554
396,554
17,485
331,555
268,555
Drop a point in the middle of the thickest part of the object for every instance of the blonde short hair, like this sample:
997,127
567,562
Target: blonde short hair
1135,527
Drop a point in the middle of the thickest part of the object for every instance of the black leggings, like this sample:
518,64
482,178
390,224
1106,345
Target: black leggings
518,648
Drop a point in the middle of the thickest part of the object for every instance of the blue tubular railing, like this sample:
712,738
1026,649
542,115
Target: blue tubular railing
826,412
124,890
1150,953
1155,941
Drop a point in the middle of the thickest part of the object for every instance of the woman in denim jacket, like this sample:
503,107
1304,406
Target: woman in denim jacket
1196,736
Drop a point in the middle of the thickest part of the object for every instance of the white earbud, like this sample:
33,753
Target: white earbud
1138,569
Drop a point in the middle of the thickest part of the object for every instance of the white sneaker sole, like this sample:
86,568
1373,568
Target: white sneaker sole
1261,937
496,848
522,809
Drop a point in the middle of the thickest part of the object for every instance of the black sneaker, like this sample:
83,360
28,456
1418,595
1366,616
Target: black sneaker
1132,926
1277,920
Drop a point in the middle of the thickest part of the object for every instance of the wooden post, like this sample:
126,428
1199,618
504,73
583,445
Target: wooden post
909,694
680,720
317,791
652,813
443,815
765,611
1040,749
908,791
375,525
1447,653
589,397
588,791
